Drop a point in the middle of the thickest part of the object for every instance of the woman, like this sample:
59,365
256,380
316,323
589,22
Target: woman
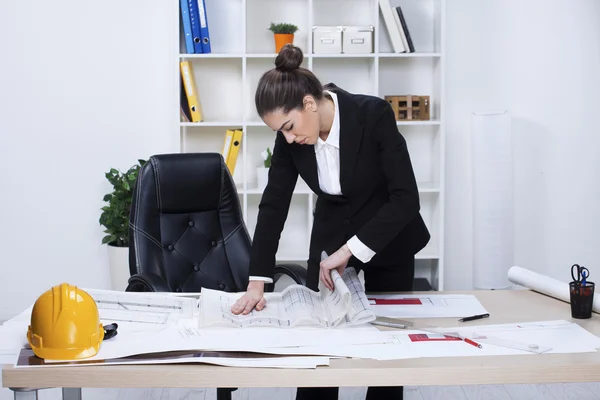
348,150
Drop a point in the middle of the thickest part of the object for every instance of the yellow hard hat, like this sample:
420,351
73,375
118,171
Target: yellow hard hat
65,324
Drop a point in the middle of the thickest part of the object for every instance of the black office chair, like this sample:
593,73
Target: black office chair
186,230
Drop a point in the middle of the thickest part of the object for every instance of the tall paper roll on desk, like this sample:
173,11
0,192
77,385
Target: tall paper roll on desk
492,166
545,285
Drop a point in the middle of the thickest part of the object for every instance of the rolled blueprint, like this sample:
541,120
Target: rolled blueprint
545,285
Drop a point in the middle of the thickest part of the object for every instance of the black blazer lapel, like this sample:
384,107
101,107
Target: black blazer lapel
351,132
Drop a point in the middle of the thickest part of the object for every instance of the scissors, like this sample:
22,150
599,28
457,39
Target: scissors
582,274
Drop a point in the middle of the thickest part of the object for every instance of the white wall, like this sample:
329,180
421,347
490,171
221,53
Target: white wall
84,86
540,60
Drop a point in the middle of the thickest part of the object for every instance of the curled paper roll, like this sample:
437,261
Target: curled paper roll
545,285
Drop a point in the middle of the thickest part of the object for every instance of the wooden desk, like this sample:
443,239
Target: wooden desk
504,307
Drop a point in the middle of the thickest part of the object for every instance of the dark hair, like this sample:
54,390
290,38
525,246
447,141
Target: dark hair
285,86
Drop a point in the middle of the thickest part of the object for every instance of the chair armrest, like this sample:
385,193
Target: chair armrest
294,271
147,283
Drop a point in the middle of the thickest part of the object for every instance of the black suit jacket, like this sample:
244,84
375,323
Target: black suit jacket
379,201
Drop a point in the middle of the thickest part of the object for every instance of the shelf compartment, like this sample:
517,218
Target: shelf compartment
412,76
259,138
224,17
344,72
423,19
210,140
424,144
260,14
343,12
219,87
428,268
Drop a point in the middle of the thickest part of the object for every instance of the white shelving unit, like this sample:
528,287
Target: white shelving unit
243,49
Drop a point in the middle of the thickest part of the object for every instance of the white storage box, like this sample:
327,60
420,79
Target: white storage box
357,39
327,39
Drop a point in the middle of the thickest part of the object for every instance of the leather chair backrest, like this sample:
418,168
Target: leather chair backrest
186,224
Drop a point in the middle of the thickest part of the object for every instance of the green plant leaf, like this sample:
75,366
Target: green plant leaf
283,27
267,162
114,216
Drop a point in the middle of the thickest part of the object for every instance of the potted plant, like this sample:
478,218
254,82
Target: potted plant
115,219
262,172
283,33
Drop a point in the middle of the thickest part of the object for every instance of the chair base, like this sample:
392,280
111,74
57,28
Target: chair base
225,393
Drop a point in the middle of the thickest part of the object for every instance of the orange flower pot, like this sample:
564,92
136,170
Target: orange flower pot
281,39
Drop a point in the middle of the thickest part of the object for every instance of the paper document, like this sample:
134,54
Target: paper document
12,338
258,339
296,305
553,337
426,306
137,307
559,337
229,359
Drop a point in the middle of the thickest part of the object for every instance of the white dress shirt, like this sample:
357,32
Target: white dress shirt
328,169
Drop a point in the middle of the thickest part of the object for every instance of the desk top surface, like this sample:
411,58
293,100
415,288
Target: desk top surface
504,306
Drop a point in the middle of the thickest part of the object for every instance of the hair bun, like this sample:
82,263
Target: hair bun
289,58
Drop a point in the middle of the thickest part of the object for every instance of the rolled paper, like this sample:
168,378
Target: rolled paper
545,285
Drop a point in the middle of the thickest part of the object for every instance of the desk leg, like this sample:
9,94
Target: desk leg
71,393
25,394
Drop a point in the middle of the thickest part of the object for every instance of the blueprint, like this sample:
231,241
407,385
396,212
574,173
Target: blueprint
134,311
425,305
296,305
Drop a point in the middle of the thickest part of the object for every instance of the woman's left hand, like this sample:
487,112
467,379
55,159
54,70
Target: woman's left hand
337,261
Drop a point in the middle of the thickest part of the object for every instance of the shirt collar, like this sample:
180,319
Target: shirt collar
333,139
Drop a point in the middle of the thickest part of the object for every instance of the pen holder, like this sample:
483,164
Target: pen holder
582,299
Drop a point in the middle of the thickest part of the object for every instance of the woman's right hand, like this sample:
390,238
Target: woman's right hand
253,298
